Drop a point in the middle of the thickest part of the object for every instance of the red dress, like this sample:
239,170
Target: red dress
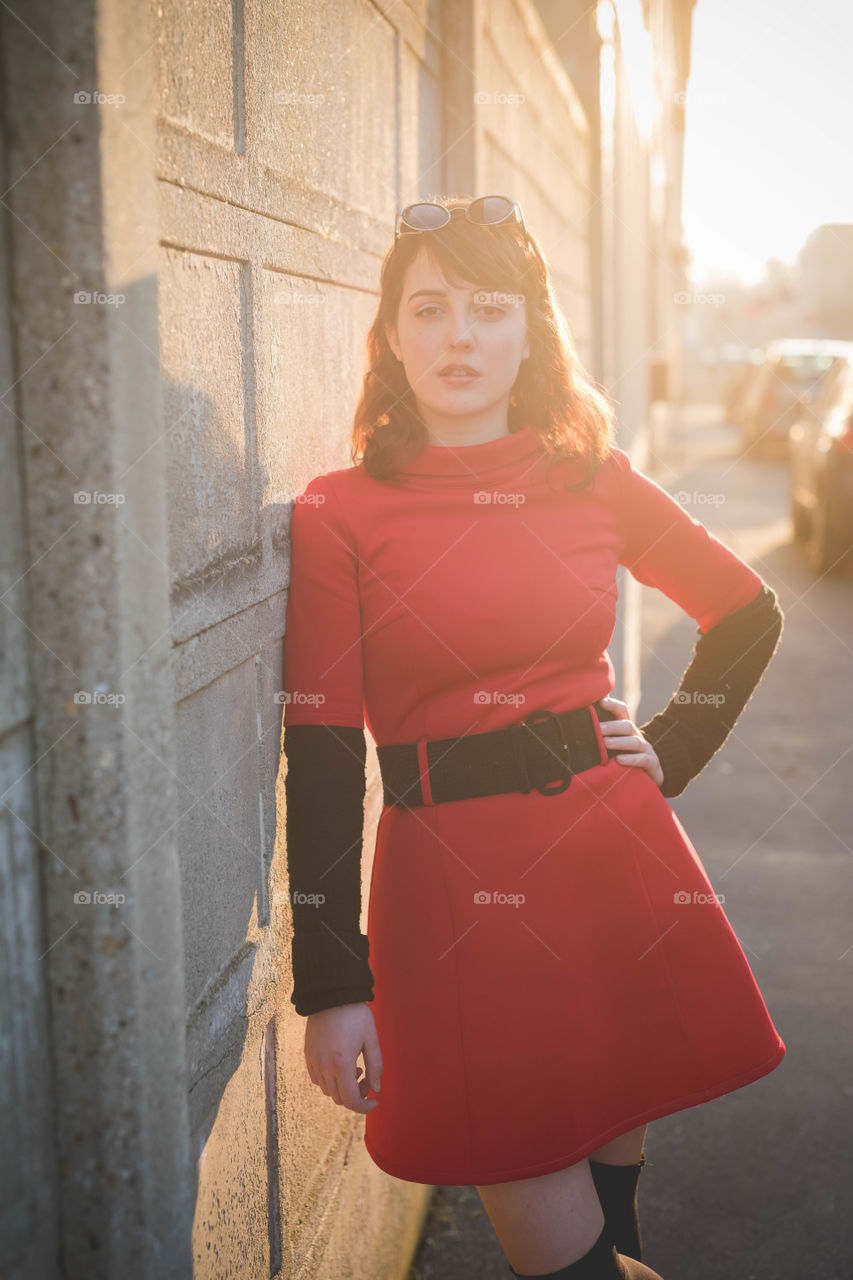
550,970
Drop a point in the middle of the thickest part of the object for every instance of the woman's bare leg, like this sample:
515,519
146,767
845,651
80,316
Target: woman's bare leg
548,1222
626,1149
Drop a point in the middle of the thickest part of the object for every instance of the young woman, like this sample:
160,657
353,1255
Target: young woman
549,966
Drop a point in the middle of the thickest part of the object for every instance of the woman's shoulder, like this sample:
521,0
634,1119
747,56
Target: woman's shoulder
338,483
334,500
620,473
617,462
611,474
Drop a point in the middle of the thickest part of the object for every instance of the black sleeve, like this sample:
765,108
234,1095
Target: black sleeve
729,660
325,788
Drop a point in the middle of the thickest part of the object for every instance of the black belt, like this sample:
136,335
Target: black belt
544,750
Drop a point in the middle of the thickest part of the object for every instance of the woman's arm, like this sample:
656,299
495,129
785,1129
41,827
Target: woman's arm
325,785
325,788
728,663
739,619
325,748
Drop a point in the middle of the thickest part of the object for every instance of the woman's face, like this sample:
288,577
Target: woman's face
439,326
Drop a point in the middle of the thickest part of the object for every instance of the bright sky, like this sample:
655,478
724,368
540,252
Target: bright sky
769,141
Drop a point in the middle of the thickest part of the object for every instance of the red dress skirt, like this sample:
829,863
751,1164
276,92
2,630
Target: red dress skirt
551,972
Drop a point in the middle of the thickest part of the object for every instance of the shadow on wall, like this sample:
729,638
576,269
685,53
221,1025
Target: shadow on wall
228,573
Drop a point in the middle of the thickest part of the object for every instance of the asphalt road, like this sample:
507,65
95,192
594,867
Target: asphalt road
758,1184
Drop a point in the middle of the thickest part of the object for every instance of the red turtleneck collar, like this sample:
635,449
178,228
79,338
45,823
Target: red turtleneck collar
475,459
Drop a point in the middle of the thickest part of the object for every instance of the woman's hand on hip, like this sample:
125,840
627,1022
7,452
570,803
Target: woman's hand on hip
334,1038
622,735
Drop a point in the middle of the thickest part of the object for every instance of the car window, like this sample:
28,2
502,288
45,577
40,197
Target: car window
825,390
818,379
845,386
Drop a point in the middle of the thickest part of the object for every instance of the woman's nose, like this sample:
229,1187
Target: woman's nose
460,329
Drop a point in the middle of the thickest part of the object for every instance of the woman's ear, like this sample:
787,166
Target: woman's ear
391,335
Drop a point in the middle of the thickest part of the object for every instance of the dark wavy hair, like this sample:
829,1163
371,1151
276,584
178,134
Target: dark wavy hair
552,392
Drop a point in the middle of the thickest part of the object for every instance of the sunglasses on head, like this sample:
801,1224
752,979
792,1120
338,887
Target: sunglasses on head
486,211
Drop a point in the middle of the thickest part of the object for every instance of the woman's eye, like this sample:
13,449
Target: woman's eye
489,312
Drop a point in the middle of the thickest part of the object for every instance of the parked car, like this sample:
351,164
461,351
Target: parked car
790,374
821,469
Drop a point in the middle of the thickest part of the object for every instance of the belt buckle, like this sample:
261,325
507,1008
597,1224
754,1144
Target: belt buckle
556,785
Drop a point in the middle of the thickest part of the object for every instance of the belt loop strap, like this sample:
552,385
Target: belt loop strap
599,736
423,771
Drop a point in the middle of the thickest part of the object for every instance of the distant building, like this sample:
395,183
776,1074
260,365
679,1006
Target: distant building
825,282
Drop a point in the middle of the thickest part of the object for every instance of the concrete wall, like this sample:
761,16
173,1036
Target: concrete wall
28,1171
104,1068
227,219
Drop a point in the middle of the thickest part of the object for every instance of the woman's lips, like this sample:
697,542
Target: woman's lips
459,379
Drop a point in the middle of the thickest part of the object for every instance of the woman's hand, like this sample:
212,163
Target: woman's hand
333,1040
623,735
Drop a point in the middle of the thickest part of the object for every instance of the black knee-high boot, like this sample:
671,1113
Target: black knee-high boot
602,1262
616,1185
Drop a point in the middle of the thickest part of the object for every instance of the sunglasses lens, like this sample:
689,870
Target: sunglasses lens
425,217
490,209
